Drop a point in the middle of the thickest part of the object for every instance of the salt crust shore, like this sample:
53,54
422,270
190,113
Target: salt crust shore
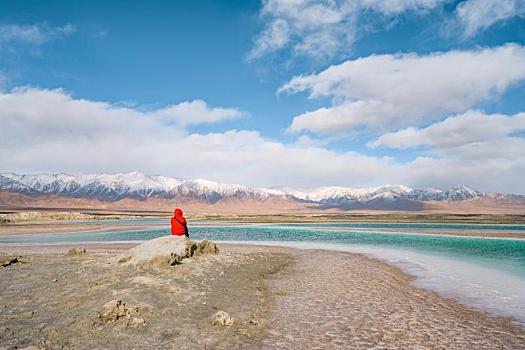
279,298
68,228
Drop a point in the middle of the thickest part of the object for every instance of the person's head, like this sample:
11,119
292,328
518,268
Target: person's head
178,212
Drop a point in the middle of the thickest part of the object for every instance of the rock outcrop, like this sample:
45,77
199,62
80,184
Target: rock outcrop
11,261
117,310
5,221
79,251
168,250
222,318
206,247
42,216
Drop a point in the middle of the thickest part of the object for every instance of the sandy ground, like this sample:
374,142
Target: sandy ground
338,300
280,298
55,301
62,228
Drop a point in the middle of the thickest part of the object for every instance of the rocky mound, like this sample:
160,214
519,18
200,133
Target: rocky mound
5,221
77,251
116,310
167,250
38,216
7,261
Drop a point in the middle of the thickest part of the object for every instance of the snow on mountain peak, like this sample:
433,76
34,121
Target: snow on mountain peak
138,185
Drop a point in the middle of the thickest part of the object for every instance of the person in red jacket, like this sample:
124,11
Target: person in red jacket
178,224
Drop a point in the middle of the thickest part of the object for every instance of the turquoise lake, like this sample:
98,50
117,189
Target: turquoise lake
482,272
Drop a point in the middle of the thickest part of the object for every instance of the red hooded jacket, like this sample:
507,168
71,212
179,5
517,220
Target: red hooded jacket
178,223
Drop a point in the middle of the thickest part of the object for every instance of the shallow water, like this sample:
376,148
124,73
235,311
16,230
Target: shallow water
487,273
348,225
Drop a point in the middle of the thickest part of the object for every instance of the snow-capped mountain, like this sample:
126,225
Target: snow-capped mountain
8,184
456,193
332,194
135,185
346,197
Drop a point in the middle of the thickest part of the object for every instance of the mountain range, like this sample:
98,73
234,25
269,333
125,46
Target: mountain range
135,190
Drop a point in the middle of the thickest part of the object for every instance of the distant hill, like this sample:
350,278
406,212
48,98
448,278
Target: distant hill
136,191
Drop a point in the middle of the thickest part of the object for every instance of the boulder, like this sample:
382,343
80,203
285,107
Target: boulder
222,318
116,310
5,221
79,251
11,261
206,247
167,250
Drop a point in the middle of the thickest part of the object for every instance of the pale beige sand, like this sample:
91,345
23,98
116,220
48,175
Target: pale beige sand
281,298
64,227
62,248
53,301
338,300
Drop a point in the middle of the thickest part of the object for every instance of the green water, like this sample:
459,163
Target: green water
507,251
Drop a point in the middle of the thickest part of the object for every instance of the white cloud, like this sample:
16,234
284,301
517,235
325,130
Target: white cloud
48,130
498,174
387,92
274,37
35,34
391,7
55,110
473,148
477,15
321,29
472,128
196,112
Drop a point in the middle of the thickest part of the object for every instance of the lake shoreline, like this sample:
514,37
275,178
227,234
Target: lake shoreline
319,298
58,228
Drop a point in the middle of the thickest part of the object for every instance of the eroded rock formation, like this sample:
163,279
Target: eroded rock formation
168,250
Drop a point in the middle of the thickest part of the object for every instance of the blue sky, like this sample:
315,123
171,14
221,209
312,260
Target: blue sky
294,93
153,54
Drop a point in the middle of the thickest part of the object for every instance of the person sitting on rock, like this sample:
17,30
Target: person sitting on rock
179,226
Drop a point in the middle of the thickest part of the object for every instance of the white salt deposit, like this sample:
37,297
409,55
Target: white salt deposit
477,285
